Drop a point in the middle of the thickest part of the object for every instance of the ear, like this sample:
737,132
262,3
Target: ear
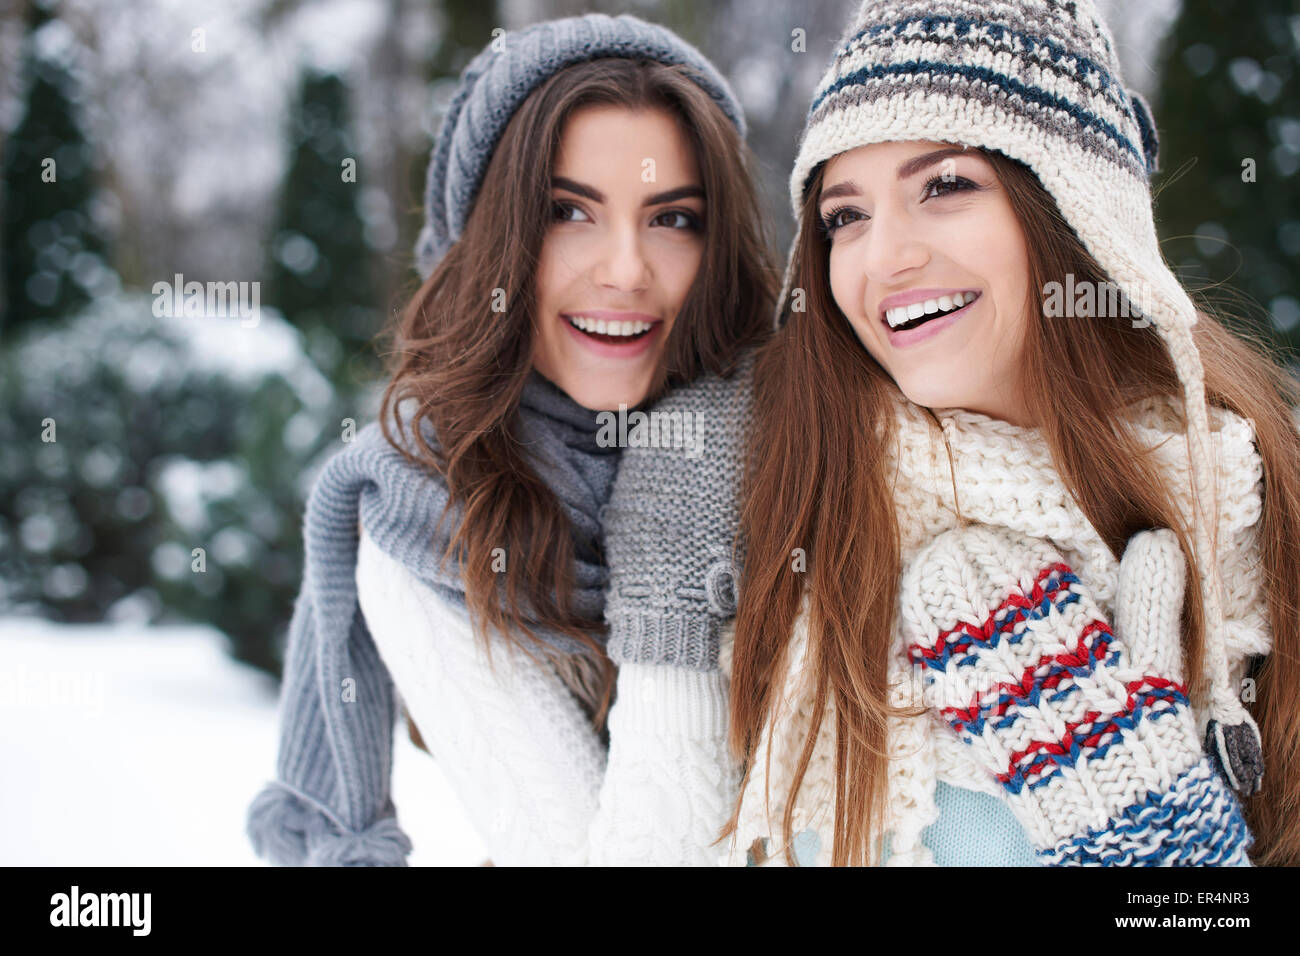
1147,128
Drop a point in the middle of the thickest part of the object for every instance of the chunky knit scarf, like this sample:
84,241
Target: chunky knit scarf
1000,475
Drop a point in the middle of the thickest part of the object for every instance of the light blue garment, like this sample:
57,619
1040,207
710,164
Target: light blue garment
974,829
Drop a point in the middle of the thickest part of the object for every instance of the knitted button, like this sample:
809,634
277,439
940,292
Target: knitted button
720,587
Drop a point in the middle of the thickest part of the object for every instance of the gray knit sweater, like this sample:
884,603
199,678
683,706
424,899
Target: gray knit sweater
329,804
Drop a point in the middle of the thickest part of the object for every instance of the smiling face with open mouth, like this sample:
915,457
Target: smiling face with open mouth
929,265
624,244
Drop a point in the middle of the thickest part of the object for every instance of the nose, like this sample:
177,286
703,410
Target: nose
894,246
621,263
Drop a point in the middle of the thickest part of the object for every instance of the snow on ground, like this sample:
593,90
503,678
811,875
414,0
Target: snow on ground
130,746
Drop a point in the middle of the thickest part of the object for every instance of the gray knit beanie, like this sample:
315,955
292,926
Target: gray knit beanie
499,79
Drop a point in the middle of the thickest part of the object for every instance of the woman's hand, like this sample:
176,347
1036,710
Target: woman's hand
672,518
1089,732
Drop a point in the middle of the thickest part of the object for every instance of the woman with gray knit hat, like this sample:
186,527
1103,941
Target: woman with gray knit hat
1021,523
592,238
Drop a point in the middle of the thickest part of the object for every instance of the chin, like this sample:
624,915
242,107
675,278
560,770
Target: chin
600,397
927,396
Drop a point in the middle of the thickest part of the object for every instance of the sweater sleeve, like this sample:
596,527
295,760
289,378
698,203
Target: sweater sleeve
522,757
671,781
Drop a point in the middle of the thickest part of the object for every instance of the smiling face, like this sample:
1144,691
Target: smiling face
620,254
929,265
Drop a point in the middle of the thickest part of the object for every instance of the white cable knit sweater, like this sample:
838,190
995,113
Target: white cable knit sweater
523,758
1004,477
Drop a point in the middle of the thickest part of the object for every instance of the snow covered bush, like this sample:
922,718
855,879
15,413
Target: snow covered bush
157,468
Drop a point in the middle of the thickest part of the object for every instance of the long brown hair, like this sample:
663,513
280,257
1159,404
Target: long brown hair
466,364
817,480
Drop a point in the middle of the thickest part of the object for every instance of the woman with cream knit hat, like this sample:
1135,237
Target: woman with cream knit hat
1019,572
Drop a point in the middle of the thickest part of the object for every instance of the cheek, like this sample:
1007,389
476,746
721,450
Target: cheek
1004,258
554,268
847,291
1013,299
676,266
836,274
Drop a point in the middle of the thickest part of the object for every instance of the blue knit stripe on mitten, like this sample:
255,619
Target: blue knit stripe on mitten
1197,822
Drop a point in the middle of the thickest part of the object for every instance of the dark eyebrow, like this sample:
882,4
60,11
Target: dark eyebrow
846,188
658,199
672,195
918,163
595,195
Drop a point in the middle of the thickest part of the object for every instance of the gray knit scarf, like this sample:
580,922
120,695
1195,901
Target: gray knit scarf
330,803
400,511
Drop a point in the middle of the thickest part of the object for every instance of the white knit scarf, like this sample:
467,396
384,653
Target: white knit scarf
1003,476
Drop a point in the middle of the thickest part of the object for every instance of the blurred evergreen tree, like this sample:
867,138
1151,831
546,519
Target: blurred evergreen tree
129,442
319,271
467,27
53,246
1228,111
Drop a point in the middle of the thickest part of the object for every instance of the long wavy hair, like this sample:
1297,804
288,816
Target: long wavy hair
465,365
817,480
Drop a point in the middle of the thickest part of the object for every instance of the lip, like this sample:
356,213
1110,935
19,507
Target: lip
633,349
909,337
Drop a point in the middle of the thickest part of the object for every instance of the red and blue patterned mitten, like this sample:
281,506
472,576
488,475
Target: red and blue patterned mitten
1089,732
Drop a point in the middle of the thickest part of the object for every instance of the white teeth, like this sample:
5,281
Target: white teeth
944,303
602,327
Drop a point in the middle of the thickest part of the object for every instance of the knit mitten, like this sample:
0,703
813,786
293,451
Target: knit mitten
670,525
1089,732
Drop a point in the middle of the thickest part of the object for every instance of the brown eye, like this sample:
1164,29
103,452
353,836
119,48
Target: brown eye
565,212
945,187
839,218
678,219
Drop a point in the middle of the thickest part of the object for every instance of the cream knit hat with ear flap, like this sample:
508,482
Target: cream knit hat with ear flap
1039,81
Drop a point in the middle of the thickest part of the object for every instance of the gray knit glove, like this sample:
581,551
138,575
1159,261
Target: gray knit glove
671,521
